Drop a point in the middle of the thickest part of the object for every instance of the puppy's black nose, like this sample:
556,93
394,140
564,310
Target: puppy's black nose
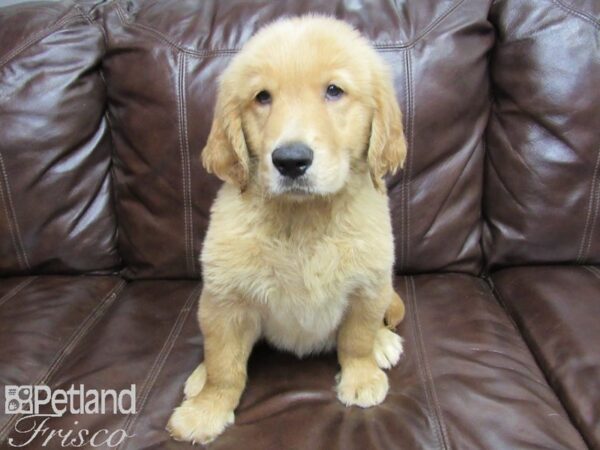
292,160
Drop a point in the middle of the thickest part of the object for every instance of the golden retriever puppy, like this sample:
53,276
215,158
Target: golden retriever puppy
299,250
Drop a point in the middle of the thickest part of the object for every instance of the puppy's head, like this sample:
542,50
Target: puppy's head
306,105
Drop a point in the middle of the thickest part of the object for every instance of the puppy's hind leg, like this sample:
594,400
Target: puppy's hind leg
388,345
388,348
395,312
195,382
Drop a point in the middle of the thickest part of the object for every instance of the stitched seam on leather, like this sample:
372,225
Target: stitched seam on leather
160,360
524,334
14,291
593,270
161,37
186,142
434,411
94,23
383,46
590,219
72,341
38,37
421,374
594,216
185,163
11,217
428,29
518,38
409,142
86,325
406,173
402,233
577,13
178,96
10,226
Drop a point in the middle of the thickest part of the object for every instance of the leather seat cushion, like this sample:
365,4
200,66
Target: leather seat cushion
467,379
557,309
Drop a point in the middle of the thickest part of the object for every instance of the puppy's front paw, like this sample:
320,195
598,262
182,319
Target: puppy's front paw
388,348
195,382
363,387
199,420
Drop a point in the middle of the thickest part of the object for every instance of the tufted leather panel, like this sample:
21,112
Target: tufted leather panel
162,63
56,212
557,310
542,190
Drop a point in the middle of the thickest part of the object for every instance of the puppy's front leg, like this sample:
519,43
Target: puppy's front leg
230,331
361,381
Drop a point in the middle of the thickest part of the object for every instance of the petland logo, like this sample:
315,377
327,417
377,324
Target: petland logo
38,404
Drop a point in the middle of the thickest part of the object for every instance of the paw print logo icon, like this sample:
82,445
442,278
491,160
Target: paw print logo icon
12,406
18,399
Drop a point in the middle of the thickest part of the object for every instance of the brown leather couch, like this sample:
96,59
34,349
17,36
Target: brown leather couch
104,107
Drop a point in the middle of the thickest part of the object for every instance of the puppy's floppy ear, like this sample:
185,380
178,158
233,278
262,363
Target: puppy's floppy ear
387,145
225,153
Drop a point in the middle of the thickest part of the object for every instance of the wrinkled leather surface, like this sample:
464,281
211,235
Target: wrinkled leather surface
467,379
55,185
162,115
542,189
557,310
41,320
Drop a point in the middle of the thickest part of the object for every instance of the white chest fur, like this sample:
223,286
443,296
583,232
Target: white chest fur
297,267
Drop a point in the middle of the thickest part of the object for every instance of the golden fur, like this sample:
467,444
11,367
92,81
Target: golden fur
312,270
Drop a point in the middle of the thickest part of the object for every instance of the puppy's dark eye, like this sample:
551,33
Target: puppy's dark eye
333,92
263,97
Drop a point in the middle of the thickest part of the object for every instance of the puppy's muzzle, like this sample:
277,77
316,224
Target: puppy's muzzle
292,160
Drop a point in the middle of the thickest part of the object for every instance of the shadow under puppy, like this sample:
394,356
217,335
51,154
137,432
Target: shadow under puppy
299,250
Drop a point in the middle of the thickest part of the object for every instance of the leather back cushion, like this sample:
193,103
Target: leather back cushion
542,192
55,190
162,63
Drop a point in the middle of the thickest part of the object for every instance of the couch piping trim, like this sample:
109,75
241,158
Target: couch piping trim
14,291
434,410
184,154
160,360
207,53
70,344
11,218
590,220
42,34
